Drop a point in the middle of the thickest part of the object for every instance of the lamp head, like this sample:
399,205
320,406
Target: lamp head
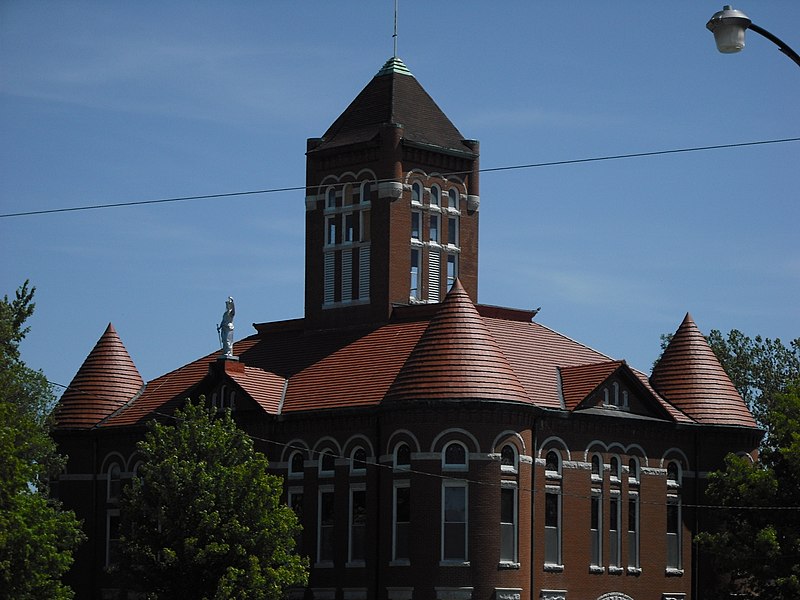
728,27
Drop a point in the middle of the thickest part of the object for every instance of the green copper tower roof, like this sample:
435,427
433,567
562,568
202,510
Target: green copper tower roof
394,65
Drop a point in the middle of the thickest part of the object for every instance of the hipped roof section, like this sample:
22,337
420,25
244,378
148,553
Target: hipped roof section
394,97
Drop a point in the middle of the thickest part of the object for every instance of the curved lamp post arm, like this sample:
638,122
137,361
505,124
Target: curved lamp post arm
782,46
728,27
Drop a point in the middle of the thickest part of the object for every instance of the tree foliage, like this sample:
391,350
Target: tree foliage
754,541
36,537
203,519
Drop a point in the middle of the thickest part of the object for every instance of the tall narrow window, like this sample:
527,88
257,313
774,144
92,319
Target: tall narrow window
415,293
113,483
364,225
330,228
435,193
454,521
633,471
358,524
402,521
452,231
112,537
673,533
326,464
325,526
633,532
615,469
614,532
452,270
595,531
552,528
508,459
552,464
416,225
452,198
508,523
295,502
433,230
331,200
597,467
416,193
350,223
366,191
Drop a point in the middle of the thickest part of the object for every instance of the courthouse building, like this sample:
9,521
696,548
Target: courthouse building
435,448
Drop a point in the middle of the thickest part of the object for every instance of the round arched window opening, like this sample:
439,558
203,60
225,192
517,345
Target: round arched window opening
326,463
402,456
615,467
296,464
596,466
552,462
674,473
455,456
508,458
358,461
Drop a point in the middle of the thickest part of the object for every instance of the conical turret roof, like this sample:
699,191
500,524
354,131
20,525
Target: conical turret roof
394,97
106,381
691,378
456,358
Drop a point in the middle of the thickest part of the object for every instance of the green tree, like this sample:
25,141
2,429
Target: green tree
37,537
754,538
203,519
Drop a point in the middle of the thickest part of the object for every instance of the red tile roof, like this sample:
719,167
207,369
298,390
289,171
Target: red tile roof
689,375
578,382
457,358
106,380
453,350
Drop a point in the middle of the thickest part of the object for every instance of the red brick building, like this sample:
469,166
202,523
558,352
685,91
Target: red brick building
435,448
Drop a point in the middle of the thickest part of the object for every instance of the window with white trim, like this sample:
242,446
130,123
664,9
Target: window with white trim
452,231
325,524
552,527
415,292
452,198
114,486
296,464
112,536
552,464
294,498
433,228
454,457
615,469
614,531
633,471
454,521
357,524
402,457
327,463
416,193
452,270
633,531
508,522
595,531
416,225
674,559
597,468
401,518
435,195
358,461
509,459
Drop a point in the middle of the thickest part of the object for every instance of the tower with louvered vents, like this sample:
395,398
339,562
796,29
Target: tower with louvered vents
391,205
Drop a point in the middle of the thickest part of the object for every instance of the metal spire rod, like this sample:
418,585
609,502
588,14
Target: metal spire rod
394,36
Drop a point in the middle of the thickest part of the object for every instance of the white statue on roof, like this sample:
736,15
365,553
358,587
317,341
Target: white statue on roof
225,328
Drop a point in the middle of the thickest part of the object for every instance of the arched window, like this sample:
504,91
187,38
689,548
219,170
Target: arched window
597,467
633,469
331,198
552,463
296,464
454,456
435,195
508,458
366,191
114,474
416,193
358,461
615,468
326,463
673,473
452,198
402,456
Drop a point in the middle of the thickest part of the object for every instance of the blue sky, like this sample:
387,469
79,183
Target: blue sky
104,102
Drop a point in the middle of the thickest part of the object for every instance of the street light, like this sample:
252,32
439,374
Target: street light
728,27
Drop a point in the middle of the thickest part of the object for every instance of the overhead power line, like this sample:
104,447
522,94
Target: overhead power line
555,163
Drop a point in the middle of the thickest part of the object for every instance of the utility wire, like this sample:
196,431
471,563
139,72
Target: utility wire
488,170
